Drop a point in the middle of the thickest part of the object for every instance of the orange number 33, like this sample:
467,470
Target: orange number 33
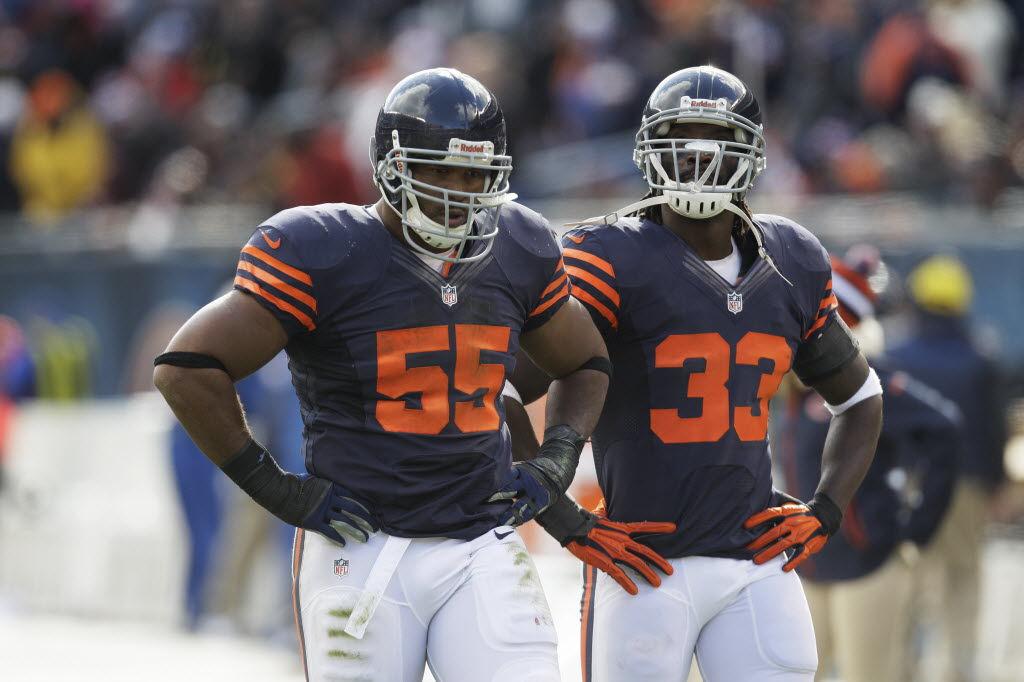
395,379
710,386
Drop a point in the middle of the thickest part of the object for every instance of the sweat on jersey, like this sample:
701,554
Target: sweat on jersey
684,432
399,368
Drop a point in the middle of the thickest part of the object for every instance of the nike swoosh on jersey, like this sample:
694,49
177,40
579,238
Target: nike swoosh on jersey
272,243
576,238
502,536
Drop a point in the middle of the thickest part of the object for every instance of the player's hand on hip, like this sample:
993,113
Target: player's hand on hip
529,490
802,528
535,485
607,545
337,515
310,502
611,543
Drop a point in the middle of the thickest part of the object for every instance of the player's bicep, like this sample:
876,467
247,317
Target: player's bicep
565,342
529,380
236,330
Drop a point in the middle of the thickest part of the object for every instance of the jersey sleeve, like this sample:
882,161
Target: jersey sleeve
271,271
554,295
827,311
593,278
827,343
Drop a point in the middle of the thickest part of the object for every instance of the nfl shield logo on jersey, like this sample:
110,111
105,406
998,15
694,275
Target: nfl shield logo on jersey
341,567
734,302
449,295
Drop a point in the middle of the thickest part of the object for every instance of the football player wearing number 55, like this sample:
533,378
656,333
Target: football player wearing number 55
401,321
704,307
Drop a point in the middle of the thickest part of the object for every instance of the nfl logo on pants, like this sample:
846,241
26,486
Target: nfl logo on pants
341,567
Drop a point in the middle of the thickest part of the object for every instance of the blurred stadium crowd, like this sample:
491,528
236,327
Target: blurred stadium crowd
107,101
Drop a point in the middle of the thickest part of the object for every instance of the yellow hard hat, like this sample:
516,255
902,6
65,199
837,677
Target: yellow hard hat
941,284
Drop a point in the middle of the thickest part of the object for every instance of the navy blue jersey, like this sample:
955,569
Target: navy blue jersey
683,434
398,368
941,353
906,490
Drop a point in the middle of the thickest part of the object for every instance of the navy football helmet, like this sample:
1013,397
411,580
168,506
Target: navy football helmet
442,117
721,171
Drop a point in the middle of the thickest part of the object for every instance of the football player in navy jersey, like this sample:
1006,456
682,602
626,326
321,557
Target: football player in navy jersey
401,321
704,307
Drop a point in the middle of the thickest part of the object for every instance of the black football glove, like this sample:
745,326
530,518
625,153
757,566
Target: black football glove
533,486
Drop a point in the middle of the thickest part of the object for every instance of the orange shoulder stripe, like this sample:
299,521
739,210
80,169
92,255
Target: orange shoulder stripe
599,263
556,279
285,306
829,302
555,284
275,263
562,293
597,283
598,306
278,284
818,324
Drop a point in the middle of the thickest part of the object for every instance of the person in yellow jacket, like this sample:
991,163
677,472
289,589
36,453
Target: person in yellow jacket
59,152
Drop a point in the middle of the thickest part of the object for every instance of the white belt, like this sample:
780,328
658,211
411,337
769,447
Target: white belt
383,568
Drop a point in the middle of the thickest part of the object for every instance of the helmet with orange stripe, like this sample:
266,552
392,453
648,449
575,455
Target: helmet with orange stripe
434,125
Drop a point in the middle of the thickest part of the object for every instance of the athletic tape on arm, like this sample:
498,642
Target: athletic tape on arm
872,386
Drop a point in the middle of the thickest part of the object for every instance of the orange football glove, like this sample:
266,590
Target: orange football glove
608,542
804,528
605,544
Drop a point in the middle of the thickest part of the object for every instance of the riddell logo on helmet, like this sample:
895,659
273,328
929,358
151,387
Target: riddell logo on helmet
456,145
688,103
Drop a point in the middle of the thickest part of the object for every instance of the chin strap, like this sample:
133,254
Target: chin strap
613,217
756,231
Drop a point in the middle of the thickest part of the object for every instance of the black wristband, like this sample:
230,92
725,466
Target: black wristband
558,456
827,511
565,520
283,494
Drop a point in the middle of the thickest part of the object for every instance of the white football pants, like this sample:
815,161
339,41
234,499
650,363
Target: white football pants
746,623
473,610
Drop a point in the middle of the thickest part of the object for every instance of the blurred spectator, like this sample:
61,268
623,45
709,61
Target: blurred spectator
859,587
261,91
983,32
312,169
59,151
17,377
940,352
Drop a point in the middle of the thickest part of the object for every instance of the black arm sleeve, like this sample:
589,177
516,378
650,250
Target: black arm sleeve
825,353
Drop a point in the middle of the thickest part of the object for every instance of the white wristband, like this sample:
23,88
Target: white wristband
872,387
509,391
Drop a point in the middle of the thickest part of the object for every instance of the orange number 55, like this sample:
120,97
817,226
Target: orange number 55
396,380
710,386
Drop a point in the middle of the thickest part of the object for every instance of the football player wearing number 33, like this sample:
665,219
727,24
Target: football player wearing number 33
704,307
401,321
